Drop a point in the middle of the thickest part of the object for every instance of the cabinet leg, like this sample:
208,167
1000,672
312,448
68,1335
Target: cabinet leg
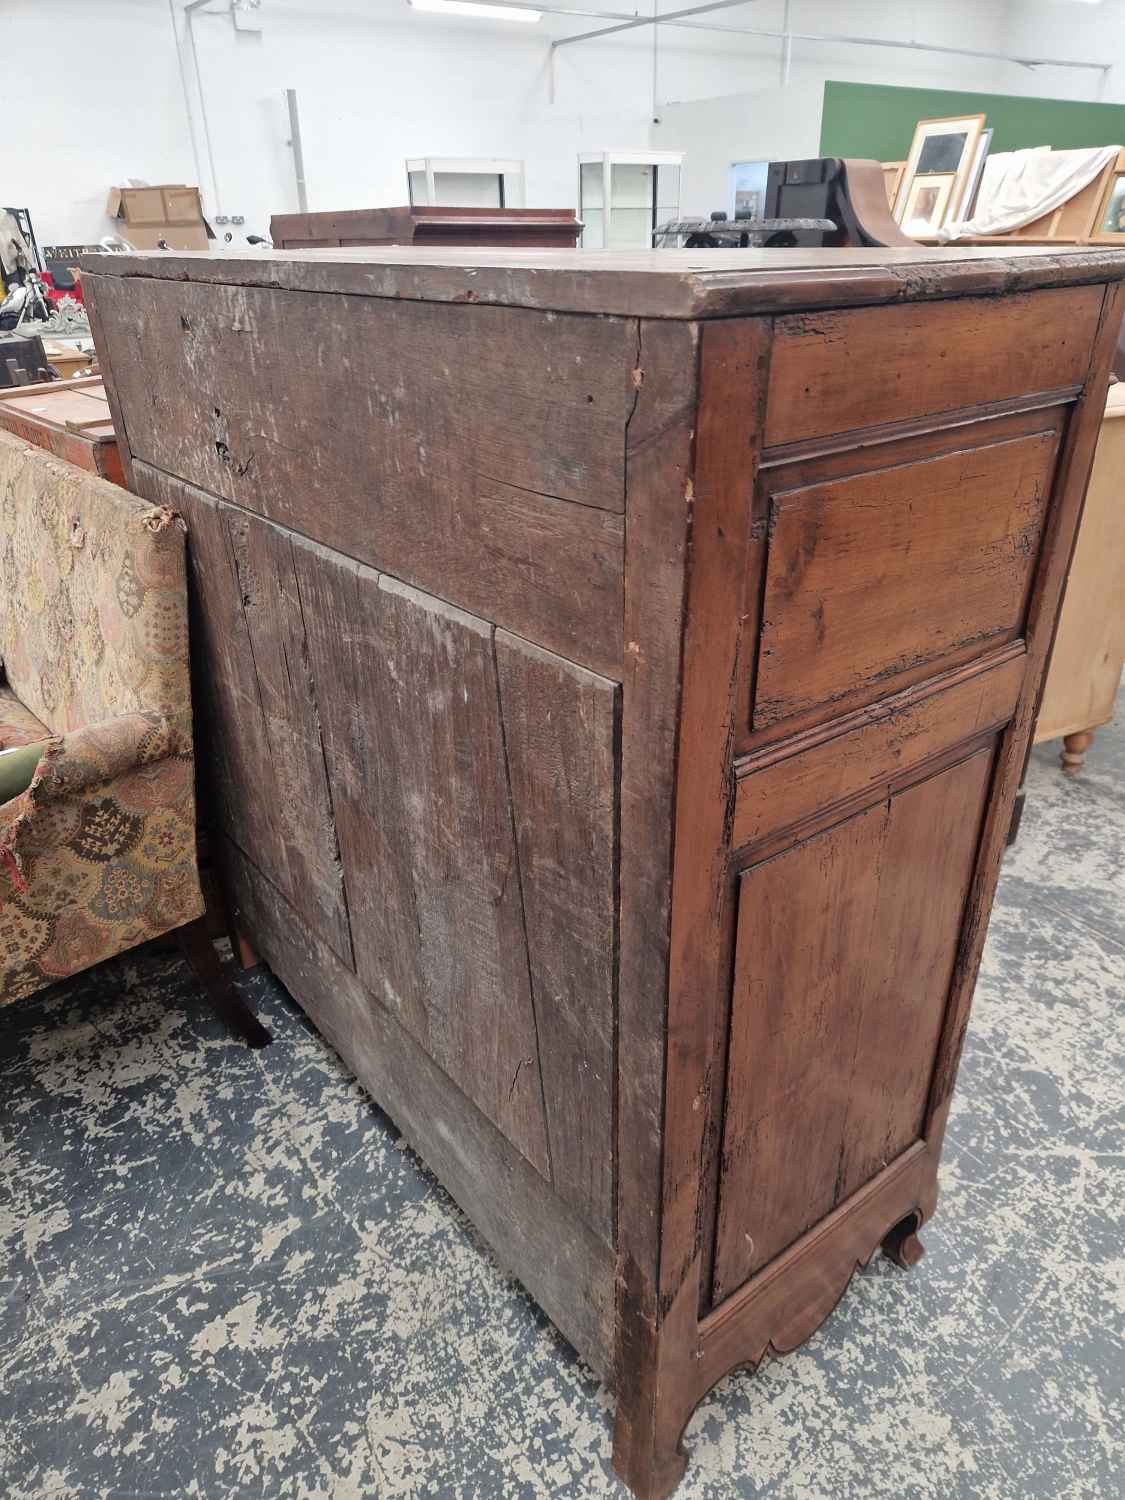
654,1402
197,947
648,1453
902,1244
1074,749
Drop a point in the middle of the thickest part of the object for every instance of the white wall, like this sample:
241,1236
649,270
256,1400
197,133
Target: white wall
378,81
760,120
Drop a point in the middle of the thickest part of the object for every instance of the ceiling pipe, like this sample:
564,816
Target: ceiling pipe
188,13
788,36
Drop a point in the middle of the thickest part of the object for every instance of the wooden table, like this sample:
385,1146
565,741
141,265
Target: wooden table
618,670
70,417
1089,651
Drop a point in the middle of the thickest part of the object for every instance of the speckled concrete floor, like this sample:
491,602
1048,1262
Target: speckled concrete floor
223,1274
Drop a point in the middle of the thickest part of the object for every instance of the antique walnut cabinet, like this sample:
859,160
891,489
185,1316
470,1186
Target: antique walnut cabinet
617,671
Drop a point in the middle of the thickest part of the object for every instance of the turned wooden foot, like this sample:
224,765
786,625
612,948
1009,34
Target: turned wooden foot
197,947
902,1244
1074,749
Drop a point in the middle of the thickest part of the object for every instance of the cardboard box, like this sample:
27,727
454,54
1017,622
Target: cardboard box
170,212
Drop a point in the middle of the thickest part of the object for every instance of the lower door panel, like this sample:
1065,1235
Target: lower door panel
844,954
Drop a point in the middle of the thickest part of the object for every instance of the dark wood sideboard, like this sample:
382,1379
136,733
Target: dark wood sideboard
508,228
617,672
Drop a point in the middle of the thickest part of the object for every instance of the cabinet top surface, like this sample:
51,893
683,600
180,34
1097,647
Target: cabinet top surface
635,283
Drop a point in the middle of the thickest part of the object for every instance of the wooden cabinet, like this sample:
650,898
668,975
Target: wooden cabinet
616,675
1089,651
548,228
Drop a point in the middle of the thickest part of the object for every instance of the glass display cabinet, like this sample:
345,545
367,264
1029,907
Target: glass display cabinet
644,191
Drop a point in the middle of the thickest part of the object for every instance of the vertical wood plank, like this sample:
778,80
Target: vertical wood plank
560,729
302,802
263,758
725,547
659,463
562,1263
340,601
415,743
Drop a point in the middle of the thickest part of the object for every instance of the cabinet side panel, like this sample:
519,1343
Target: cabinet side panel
560,732
845,950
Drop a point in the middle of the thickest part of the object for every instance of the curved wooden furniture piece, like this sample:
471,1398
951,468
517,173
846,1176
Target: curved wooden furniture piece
1088,655
619,672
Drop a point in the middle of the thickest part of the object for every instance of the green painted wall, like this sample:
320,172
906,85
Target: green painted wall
872,120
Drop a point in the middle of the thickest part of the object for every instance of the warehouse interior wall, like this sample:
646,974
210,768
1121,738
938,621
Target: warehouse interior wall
378,81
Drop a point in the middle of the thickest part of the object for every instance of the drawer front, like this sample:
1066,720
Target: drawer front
844,954
839,372
882,572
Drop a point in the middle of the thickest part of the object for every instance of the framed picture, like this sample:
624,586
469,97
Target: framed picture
1110,226
964,208
941,150
926,204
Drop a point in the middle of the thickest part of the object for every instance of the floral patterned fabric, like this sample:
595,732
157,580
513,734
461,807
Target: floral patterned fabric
93,594
99,853
17,725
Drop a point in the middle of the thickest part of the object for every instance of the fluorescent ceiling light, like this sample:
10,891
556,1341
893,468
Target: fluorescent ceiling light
471,8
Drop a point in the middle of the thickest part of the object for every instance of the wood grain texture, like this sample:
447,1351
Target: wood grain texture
659,468
654,284
914,505
734,375
561,740
417,751
837,371
405,451
564,1266
818,774
263,758
956,537
841,977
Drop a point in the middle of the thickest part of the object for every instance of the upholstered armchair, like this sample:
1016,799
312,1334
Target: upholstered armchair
97,821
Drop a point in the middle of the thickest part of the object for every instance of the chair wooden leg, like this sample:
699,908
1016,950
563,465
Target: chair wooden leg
197,947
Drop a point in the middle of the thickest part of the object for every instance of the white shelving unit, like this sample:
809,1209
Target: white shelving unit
644,191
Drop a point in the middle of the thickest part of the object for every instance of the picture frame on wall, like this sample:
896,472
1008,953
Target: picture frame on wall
941,158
